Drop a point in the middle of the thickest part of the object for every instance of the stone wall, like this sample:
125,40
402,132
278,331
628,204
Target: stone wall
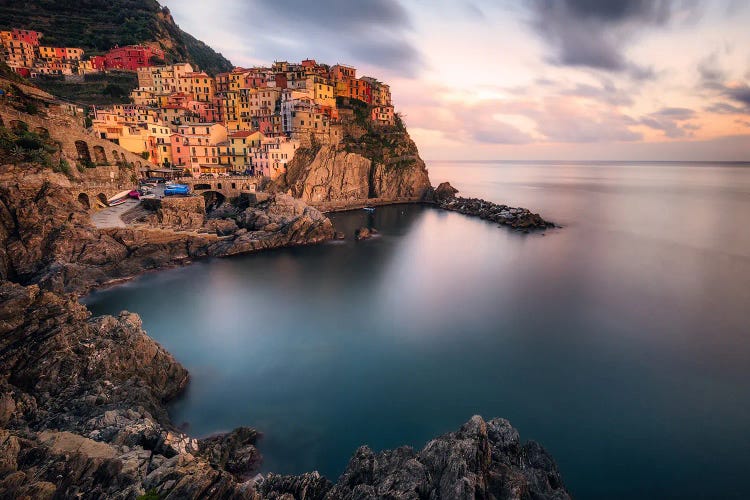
77,143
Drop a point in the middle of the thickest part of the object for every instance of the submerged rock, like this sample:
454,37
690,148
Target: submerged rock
363,233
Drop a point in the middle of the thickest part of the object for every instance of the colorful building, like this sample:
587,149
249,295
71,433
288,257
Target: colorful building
132,57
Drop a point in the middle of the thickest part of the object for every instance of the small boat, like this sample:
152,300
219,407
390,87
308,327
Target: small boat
148,196
117,202
134,194
122,194
177,189
368,209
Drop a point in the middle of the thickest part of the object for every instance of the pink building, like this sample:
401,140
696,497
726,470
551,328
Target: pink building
180,151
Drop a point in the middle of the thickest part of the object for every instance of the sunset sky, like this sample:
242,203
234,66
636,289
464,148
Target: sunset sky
537,79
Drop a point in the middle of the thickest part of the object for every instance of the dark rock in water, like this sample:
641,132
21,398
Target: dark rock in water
517,218
363,233
445,192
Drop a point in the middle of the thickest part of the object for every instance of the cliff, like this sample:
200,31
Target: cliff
366,165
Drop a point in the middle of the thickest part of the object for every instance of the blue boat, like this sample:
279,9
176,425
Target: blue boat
177,189
368,209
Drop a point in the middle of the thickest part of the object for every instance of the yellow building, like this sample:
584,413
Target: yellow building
321,91
202,86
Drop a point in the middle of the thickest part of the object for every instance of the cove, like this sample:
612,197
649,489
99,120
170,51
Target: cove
619,342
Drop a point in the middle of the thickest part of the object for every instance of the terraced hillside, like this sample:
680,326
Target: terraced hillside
98,25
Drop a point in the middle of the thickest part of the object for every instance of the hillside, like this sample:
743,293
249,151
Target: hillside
98,25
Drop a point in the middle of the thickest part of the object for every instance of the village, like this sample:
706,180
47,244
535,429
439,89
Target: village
185,122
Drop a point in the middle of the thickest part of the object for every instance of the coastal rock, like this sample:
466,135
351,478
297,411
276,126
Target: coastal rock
517,218
363,233
234,452
46,237
445,192
178,212
481,460
341,175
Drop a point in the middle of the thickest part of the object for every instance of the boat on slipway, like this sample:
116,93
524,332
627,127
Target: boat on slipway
119,198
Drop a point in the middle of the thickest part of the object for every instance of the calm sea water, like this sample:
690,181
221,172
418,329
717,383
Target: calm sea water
620,342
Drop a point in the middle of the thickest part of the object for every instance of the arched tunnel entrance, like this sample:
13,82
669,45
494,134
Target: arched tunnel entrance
102,198
83,199
213,199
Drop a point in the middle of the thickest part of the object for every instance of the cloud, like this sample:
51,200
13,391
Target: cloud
374,33
607,92
595,33
710,69
671,121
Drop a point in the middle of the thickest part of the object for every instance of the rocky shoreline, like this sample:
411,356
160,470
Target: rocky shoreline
83,400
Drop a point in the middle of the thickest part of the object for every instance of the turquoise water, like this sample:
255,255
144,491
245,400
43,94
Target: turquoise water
620,342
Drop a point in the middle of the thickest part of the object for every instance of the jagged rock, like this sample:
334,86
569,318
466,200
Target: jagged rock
222,227
235,451
309,486
517,218
334,175
363,233
178,212
481,460
47,238
445,192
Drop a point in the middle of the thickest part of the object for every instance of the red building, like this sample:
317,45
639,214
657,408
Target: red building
98,62
132,57
27,36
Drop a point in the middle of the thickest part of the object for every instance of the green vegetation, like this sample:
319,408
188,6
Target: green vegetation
151,494
98,25
96,89
19,145
388,145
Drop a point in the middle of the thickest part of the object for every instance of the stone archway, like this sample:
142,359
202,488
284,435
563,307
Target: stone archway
100,156
115,155
102,198
82,148
213,199
218,185
83,199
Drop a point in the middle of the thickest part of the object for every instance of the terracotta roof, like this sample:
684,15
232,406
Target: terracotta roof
243,133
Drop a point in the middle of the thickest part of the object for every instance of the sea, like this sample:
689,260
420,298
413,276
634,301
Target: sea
620,341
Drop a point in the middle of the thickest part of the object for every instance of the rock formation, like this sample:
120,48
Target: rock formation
517,218
381,166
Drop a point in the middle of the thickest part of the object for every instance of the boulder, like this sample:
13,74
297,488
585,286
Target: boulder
363,233
445,192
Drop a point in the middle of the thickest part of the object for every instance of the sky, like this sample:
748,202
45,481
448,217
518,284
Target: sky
525,79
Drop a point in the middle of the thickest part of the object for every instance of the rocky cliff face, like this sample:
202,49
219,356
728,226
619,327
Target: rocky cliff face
382,165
